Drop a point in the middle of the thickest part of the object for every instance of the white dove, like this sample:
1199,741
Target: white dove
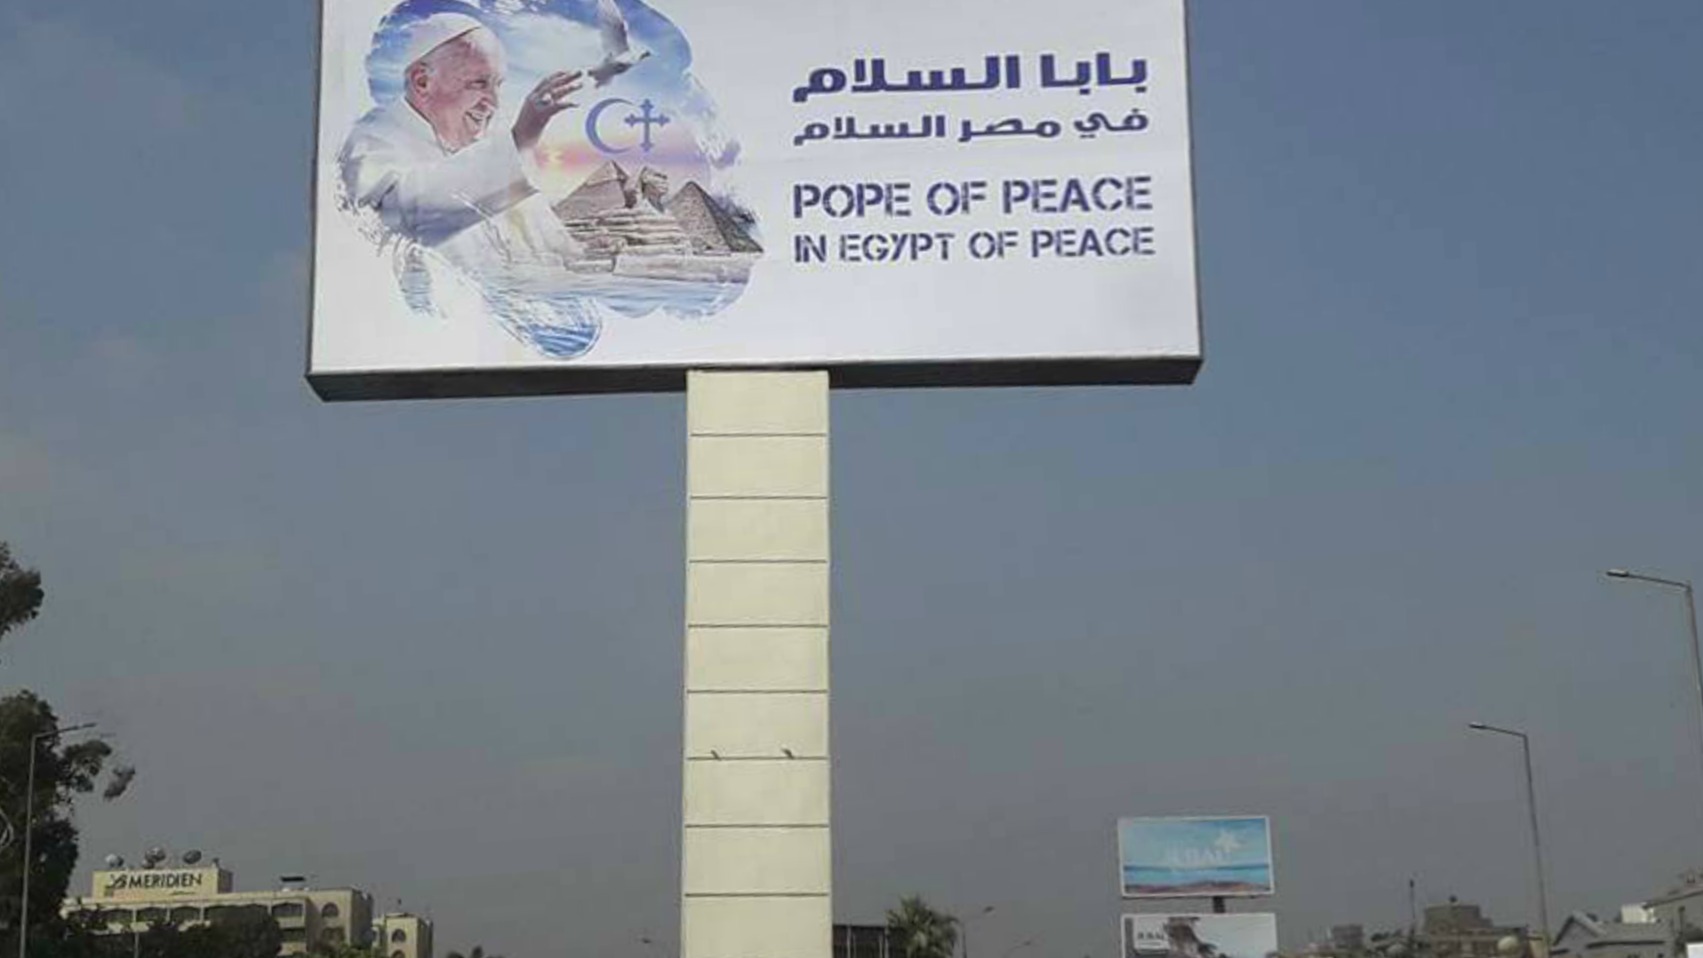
618,54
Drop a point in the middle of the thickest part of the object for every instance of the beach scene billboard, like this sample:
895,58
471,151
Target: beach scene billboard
1219,857
1200,936
529,196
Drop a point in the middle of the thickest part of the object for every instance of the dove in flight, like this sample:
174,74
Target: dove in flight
618,53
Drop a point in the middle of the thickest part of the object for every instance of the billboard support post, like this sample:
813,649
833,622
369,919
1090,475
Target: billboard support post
756,848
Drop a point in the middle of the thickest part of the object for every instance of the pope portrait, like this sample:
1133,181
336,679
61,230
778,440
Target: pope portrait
432,170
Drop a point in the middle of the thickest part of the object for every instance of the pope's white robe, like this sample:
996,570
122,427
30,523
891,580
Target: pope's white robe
476,206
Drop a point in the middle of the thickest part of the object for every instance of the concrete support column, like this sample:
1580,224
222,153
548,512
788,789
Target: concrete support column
756,859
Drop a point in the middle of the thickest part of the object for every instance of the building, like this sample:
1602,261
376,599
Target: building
1460,930
1680,909
1587,936
128,901
1637,915
403,935
864,941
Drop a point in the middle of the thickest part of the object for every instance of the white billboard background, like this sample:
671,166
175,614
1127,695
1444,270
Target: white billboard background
1251,935
748,59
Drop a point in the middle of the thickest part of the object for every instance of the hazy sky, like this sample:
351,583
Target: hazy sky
1453,286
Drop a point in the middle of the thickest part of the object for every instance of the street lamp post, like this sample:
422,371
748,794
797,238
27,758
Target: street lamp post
1691,620
29,831
1537,836
964,935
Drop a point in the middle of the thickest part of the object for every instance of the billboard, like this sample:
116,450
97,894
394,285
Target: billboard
1199,936
1221,857
529,196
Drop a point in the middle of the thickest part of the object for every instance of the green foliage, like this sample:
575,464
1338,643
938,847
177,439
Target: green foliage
342,949
63,771
247,932
20,592
920,931
242,933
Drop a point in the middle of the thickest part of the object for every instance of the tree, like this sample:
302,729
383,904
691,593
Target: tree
919,931
243,932
63,771
20,592
477,952
249,932
343,949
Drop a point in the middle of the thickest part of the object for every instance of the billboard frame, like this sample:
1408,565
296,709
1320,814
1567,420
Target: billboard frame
572,380
567,380
1270,857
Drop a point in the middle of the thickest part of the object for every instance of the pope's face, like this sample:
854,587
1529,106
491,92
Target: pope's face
458,90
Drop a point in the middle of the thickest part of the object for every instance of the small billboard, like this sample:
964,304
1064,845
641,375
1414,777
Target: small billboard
1199,936
1220,857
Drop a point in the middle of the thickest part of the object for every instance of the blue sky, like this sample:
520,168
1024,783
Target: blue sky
1449,259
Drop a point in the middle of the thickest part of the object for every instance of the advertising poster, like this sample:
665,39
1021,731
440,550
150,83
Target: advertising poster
1220,857
520,196
1200,936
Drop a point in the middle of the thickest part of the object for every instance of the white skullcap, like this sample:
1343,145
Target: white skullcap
435,31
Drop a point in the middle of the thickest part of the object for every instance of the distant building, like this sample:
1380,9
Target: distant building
1587,936
131,901
403,935
864,941
1461,930
1681,909
1637,915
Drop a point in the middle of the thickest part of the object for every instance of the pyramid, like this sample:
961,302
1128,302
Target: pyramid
711,228
604,190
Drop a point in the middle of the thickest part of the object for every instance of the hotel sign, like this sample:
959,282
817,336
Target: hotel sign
157,883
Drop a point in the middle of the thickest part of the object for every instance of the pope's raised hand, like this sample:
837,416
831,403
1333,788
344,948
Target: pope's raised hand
547,99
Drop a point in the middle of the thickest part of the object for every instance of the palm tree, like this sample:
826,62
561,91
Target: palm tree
919,931
477,952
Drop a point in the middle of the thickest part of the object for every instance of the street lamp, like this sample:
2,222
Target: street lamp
964,938
29,830
1531,806
1691,620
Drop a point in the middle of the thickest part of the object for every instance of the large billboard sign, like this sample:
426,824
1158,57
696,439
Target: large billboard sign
529,196
1200,936
1220,857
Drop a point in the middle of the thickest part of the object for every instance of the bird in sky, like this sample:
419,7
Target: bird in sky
618,53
